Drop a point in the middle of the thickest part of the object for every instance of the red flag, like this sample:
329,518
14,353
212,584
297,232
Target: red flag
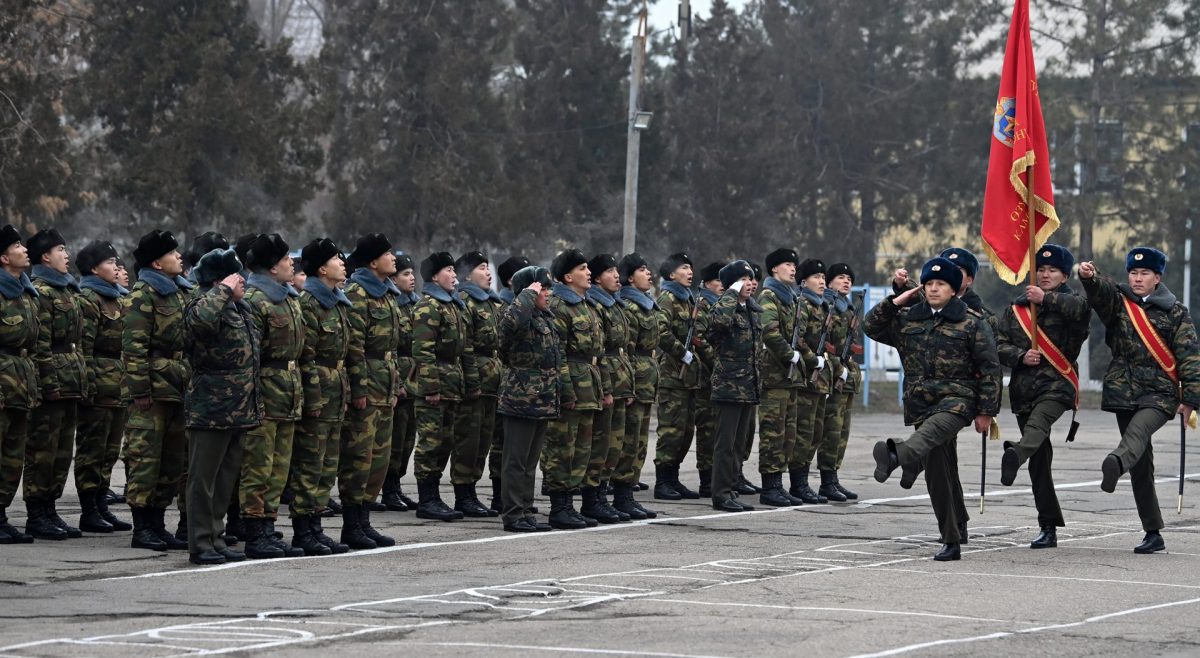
1018,143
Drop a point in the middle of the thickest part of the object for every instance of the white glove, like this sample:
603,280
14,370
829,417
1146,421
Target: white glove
820,362
795,356
844,374
688,357
737,285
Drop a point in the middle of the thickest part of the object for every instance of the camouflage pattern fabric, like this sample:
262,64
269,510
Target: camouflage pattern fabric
440,341
1065,318
223,349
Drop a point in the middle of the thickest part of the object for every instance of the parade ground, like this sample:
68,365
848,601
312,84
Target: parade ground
828,580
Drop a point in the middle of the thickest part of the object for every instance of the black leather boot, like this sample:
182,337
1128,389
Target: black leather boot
258,545
39,524
1010,462
276,537
592,509
319,534
683,491
560,513
431,505
1111,469
1047,538
467,502
113,498
590,522
948,553
497,505
705,490
89,518
837,482
333,507
364,521
373,505
160,528
886,460
303,538
144,535
352,531
664,482
9,534
391,493
52,514
112,519
772,491
829,487
801,490
1152,543
624,503
602,498
744,487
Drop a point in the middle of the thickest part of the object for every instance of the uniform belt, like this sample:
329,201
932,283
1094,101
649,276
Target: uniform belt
279,364
646,353
575,358
331,363
62,348
383,356
14,351
620,351
489,353
446,360
105,354
164,354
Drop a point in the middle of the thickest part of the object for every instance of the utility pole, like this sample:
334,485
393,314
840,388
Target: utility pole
685,21
637,122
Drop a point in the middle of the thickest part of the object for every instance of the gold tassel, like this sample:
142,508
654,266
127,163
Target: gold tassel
994,431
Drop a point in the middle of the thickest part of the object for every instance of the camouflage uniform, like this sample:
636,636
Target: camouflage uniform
1136,389
781,395
404,418
267,453
706,414
608,433
952,375
440,341
830,426
679,385
813,394
642,315
569,437
326,384
475,422
1039,394
852,385
735,332
374,374
222,402
102,416
19,392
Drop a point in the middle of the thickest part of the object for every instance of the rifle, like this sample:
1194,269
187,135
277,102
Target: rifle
687,344
821,343
796,335
848,346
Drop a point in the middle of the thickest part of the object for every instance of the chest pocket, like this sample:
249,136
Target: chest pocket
380,313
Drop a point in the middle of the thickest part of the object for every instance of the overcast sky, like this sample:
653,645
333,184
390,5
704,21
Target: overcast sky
664,13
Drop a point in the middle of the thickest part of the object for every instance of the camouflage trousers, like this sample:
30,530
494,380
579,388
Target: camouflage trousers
404,436
676,425
49,448
608,437
14,431
366,448
314,464
266,458
567,450
810,423
97,445
844,441
155,441
473,427
830,449
632,454
777,411
496,454
706,429
435,438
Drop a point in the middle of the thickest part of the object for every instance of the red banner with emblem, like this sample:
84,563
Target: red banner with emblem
1018,143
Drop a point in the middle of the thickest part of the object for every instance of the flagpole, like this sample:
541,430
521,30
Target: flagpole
1032,215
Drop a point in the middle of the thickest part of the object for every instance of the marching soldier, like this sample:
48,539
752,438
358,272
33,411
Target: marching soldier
569,438
1045,383
953,378
404,420
1154,374
535,375
325,310
840,403
735,333
267,449
818,380
63,378
222,402
19,392
102,414
785,359
476,419
374,389
440,341
496,455
680,375
642,315
608,432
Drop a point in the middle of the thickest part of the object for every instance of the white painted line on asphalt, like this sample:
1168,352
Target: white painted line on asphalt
531,647
1014,491
1024,631
810,608
1107,581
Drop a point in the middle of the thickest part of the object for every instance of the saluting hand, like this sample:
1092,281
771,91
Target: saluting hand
1087,270
236,285
907,297
1032,358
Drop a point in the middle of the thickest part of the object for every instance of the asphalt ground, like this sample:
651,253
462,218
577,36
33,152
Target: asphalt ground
828,580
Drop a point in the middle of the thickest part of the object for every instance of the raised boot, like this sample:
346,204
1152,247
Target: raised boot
773,494
90,519
683,491
829,487
624,503
143,530
705,490
352,532
1010,463
801,490
592,509
303,538
109,517
276,537
560,513
466,502
9,534
886,460
602,498
319,534
497,505
52,514
431,505
837,482
39,524
364,521
664,483
258,546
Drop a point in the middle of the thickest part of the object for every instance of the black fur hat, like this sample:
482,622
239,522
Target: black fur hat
370,247
42,242
435,263
565,262
265,251
600,263
152,246
316,253
672,263
216,265
92,255
785,255
629,264
510,267
711,272
8,237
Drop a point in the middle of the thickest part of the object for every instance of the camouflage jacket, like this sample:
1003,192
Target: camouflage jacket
440,341
408,367
615,365
327,335
816,311
374,339
1064,317
18,341
735,332
949,358
848,343
675,307
642,315
59,356
581,339
152,343
223,349
275,310
778,302
705,300
535,373
1134,379
103,327
482,315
